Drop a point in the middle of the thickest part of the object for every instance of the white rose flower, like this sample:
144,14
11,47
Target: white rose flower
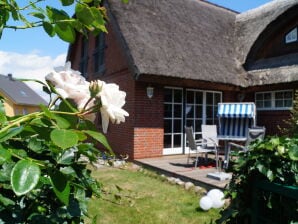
70,84
112,100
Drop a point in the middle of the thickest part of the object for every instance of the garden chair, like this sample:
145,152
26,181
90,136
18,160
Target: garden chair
207,144
253,134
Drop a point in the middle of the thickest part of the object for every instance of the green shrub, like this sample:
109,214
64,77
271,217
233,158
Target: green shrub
274,160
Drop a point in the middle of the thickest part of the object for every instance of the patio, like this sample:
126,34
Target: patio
176,166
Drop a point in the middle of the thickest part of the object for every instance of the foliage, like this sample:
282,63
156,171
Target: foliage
292,122
44,176
142,196
89,17
273,160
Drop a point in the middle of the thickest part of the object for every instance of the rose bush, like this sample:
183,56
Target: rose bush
43,178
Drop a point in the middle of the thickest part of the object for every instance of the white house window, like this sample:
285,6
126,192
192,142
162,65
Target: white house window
291,36
274,100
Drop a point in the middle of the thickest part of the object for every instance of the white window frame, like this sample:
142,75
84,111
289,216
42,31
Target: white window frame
173,149
272,100
291,36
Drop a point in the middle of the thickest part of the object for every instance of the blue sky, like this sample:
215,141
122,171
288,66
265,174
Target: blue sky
32,53
37,41
240,5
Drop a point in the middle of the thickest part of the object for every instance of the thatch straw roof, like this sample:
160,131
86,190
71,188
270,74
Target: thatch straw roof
178,38
196,40
250,24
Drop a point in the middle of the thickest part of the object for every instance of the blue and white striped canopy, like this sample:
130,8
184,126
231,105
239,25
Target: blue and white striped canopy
236,110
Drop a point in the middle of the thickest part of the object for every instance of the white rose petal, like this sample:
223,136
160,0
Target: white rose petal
112,99
70,84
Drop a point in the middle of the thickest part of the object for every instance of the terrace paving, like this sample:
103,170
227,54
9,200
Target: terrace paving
176,166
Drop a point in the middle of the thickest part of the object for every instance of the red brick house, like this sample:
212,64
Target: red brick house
193,54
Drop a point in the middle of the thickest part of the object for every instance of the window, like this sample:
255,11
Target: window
291,36
84,58
98,54
173,118
25,111
274,100
23,93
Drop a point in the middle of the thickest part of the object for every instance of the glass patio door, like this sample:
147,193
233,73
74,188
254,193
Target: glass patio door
186,107
173,121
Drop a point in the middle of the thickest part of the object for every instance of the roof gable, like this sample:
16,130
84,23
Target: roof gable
251,24
19,92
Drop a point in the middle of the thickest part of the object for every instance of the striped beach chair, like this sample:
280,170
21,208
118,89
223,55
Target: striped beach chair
236,118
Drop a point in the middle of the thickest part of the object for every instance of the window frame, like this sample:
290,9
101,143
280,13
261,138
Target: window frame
99,54
288,34
273,100
84,58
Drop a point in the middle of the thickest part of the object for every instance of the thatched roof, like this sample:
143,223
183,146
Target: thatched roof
197,40
178,38
250,24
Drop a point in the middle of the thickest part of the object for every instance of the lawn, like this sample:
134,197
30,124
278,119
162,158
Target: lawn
134,196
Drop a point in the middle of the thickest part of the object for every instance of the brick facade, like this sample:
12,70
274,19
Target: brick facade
142,134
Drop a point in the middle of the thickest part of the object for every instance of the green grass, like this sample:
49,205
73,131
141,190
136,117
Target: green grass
143,197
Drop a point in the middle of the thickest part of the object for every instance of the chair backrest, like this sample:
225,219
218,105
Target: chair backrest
209,132
190,138
254,134
236,118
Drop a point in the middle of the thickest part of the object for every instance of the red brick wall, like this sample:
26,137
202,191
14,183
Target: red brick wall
272,120
120,136
148,122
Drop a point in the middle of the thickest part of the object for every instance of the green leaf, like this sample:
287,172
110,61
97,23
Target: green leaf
61,186
6,201
67,2
3,118
55,15
61,122
98,137
66,157
98,20
10,133
65,32
38,15
35,145
84,14
73,120
24,176
64,138
270,175
4,155
68,170
49,28
293,153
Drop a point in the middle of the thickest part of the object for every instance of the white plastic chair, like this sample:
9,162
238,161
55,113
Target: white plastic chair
207,144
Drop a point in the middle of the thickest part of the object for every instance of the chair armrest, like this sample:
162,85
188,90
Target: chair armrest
236,145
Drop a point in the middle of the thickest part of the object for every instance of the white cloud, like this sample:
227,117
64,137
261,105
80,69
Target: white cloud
30,66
